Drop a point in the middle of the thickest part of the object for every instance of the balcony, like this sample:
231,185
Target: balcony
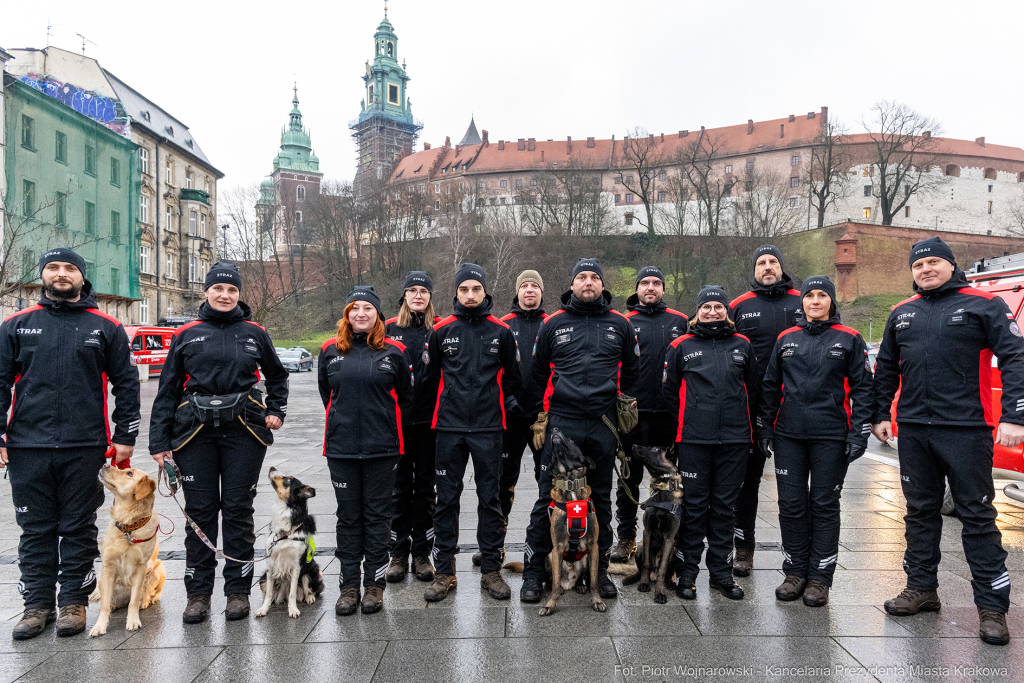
195,196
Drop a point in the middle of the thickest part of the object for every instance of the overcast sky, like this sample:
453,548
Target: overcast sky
544,68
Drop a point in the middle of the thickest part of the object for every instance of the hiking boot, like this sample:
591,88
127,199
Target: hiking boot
623,550
816,593
687,589
742,561
373,599
495,586
912,601
993,627
70,620
237,607
605,587
397,569
478,558
438,589
530,592
33,622
197,609
728,588
791,589
423,568
348,601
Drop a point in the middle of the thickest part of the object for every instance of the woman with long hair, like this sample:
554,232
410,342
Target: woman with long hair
710,384
364,377
412,521
815,415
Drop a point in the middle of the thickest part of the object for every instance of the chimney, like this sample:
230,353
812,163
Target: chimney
458,150
824,116
782,130
486,141
750,126
568,145
448,142
531,144
683,133
501,145
590,143
926,135
980,141
810,115
542,155
522,145
792,118
663,137
426,146
650,139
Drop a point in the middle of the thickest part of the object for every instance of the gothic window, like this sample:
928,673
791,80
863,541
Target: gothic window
300,193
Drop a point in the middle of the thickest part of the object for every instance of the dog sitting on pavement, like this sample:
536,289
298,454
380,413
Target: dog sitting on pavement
132,574
292,574
663,512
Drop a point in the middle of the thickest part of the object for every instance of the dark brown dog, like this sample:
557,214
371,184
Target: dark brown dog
662,517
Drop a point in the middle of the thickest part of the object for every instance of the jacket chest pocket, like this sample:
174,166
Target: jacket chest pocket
739,360
247,348
27,345
836,354
92,344
492,346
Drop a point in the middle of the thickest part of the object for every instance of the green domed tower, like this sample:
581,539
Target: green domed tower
385,130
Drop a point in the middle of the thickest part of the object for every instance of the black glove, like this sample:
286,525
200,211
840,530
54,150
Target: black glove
854,451
768,447
513,408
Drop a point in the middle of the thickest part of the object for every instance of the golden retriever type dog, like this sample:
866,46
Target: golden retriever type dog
292,573
132,574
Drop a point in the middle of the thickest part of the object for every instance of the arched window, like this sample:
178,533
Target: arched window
1020,177
391,49
300,193
953,170
990,174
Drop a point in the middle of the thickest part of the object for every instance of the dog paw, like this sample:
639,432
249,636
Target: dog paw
133,624
293,613
98,630
582,589
660,598
600,606
261,612
644,587
546,611
310,599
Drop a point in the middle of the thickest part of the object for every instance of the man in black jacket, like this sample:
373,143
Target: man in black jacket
940,343
656,326
474,356
771,306
58,357
585,353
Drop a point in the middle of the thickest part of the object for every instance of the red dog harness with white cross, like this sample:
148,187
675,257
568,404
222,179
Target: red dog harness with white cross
575,526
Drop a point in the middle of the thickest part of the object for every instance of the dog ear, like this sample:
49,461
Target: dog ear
144,487
590,463
306,492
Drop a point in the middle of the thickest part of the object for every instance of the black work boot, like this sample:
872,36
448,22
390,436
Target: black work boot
742,562
70,620
438,589
237,607
623,550
373,599
791,589
992,628
33,622
478,558
912,601
423,568
348,601
197,609
726,587
605,587
687,589
397,569
530,592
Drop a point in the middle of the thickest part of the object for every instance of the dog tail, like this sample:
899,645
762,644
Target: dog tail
623,568
515,567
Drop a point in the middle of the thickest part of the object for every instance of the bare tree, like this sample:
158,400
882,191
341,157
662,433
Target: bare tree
335,236
643,158
902,150
565,199
1014,223
826,175
765,211
699,164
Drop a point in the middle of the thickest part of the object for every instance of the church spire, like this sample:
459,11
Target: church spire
295,118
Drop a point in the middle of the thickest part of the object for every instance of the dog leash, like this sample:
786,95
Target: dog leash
621,464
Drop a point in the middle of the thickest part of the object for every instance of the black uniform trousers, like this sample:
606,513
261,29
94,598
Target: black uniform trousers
596,442
363,488
929,455
517,437
220,468
746,501
711,475
454,450
653,429
809,517
56,495
414,499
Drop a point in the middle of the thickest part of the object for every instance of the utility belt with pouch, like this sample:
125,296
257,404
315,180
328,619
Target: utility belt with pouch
197,411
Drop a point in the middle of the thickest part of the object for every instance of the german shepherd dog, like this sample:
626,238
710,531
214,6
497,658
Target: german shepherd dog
574,550
292,573
662,517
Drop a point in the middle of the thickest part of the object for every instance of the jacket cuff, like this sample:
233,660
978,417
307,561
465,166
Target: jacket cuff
276,414
123,440
857,439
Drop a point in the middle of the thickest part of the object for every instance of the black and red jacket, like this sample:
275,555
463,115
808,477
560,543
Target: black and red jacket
710,383
419,409
218,354
525,325
656,327
363,391
58,358
585,356
763,313
474,357
818,385
941,343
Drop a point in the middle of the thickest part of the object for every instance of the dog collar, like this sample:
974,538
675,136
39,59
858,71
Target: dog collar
571,485
674,508
673,482
127,530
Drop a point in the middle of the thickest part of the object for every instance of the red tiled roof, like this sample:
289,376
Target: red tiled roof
952,147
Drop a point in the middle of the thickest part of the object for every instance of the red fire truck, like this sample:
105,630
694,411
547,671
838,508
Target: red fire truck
149,346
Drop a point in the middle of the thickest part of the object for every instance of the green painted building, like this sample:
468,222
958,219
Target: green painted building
70,181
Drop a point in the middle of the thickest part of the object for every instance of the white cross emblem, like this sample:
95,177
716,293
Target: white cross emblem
576,508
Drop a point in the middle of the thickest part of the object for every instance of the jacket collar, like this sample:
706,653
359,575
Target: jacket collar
209,314
816,327
86,300
633,304
481,311
523,313
784,284
954,284
602,305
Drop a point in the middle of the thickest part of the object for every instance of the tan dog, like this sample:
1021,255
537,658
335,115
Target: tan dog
132,574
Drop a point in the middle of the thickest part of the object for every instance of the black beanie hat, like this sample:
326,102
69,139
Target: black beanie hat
933,246
649,271
364,293
471,271
588,263
63,254
711,293
226,273
418,278
821,282
767,249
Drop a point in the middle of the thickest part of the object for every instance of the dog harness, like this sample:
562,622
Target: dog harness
575,526
127,530
670,483
310,543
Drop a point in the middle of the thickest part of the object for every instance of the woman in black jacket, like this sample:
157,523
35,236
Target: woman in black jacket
709,384
364,380
215,362
412,521
815,414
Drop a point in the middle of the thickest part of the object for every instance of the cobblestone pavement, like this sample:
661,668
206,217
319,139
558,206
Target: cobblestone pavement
470,637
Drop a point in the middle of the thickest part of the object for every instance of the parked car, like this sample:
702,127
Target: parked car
296,360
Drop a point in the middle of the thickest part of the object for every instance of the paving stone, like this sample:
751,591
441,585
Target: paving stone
289,663
410,624
620,619
894,660
167,665
792,619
